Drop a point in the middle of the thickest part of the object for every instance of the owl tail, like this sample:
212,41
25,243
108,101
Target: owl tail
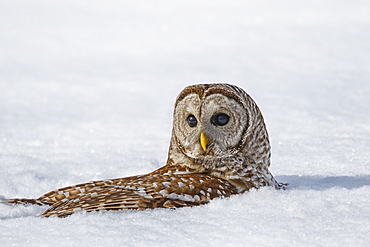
23,201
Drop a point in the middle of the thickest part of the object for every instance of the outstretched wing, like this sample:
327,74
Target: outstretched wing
167,187
69,192
141,192
76,191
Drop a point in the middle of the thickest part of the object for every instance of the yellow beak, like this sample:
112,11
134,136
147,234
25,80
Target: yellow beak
203,141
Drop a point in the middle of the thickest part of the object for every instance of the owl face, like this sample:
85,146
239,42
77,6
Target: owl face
211,123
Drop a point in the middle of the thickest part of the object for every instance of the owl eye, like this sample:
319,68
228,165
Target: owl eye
192,121
220,119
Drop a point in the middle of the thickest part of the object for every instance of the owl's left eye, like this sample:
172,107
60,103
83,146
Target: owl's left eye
220,119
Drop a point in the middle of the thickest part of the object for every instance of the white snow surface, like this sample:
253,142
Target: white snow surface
87,89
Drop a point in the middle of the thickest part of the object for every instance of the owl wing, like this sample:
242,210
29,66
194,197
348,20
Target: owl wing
141,192
76,191
69,192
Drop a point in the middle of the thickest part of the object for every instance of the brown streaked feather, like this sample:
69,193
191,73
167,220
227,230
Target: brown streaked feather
162,188
153,192
25,201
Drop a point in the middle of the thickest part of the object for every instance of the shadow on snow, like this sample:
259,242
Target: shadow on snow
324,183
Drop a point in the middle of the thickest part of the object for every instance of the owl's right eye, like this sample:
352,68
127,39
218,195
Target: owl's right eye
192,121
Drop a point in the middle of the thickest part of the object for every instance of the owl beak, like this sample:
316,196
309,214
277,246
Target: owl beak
203,141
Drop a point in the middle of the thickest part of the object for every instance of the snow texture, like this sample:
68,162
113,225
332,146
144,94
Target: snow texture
87,89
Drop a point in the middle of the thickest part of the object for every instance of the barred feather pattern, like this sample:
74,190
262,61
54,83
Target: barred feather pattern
234,158
167,187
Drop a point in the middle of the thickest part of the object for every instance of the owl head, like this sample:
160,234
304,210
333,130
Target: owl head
217,122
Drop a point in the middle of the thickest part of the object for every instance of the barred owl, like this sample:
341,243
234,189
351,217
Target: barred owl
219,147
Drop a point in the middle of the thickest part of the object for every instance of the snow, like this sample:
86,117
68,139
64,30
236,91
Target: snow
87,89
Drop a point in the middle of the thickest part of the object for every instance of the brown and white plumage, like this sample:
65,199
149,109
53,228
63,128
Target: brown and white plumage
219,147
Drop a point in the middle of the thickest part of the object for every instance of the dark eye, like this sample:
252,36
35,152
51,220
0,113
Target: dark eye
220,119
192,121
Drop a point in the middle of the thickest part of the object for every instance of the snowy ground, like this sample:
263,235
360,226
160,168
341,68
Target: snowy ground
86,93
